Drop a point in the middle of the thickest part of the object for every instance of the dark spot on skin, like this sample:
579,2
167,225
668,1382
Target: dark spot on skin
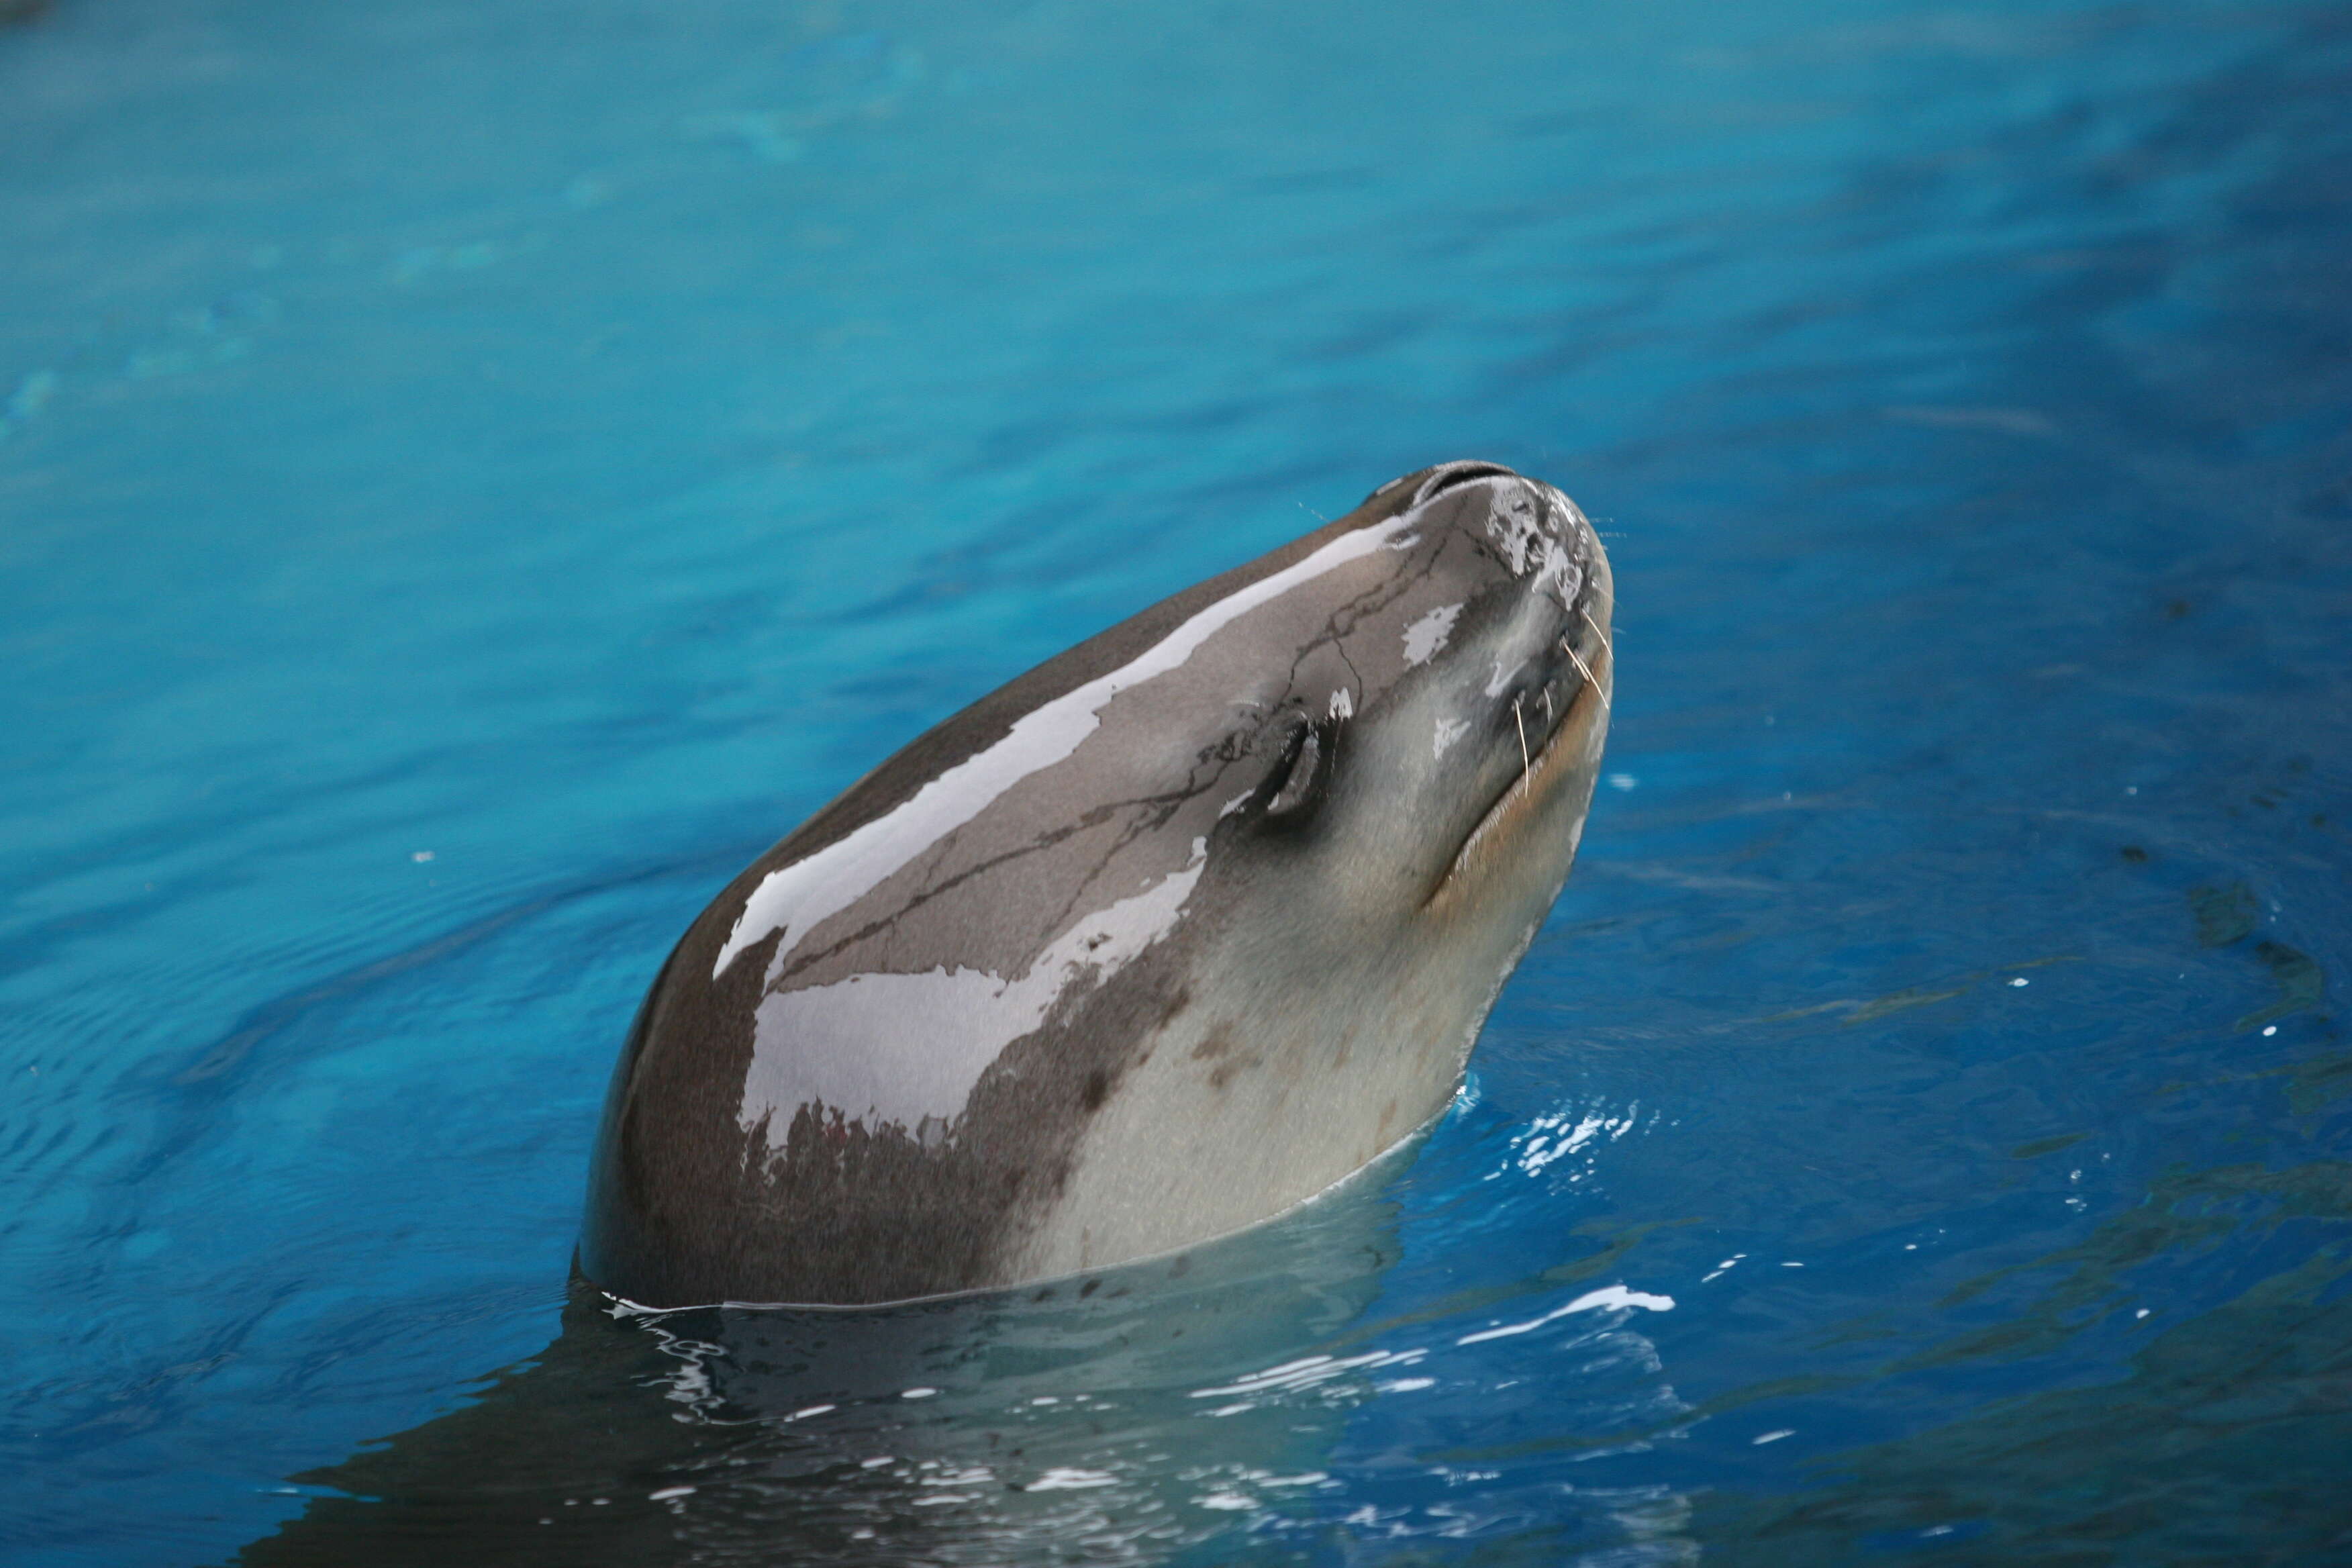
1045,1295
1088,1288
2134,854
1096,1091
1387,1114
1182,1267
1216,1043
1181,998
1222,1074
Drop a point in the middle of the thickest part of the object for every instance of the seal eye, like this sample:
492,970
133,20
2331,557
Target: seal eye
1294,778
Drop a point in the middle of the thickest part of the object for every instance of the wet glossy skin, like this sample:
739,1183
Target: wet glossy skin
1155,941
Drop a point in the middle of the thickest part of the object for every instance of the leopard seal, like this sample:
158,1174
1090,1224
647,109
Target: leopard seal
1155,941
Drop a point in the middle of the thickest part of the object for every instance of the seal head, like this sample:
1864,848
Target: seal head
1153,942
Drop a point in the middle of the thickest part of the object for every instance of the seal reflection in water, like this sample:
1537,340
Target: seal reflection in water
1158,940
1072,1425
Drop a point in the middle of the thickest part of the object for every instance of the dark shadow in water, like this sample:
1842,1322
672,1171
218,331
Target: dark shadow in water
2229,1443
1083,1422
2228,915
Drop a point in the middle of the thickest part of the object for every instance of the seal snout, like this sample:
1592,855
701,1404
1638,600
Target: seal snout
1538,687
1560,632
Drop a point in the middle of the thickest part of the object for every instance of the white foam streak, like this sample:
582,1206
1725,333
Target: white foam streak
1608,1296
1061,1478
1305,1373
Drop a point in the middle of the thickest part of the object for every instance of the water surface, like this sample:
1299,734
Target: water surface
473,475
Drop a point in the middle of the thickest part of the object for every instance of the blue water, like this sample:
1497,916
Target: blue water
473,475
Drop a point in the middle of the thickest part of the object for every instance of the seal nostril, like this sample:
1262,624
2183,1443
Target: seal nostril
1453,476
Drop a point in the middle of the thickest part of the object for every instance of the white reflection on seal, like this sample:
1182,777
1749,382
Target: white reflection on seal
902,1048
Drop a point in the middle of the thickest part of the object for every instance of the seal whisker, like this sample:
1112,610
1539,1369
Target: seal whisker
1607,635
1526,763
1589,678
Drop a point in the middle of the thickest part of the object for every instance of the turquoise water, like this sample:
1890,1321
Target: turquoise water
472,476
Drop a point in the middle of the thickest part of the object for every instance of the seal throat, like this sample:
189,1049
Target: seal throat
1536,765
